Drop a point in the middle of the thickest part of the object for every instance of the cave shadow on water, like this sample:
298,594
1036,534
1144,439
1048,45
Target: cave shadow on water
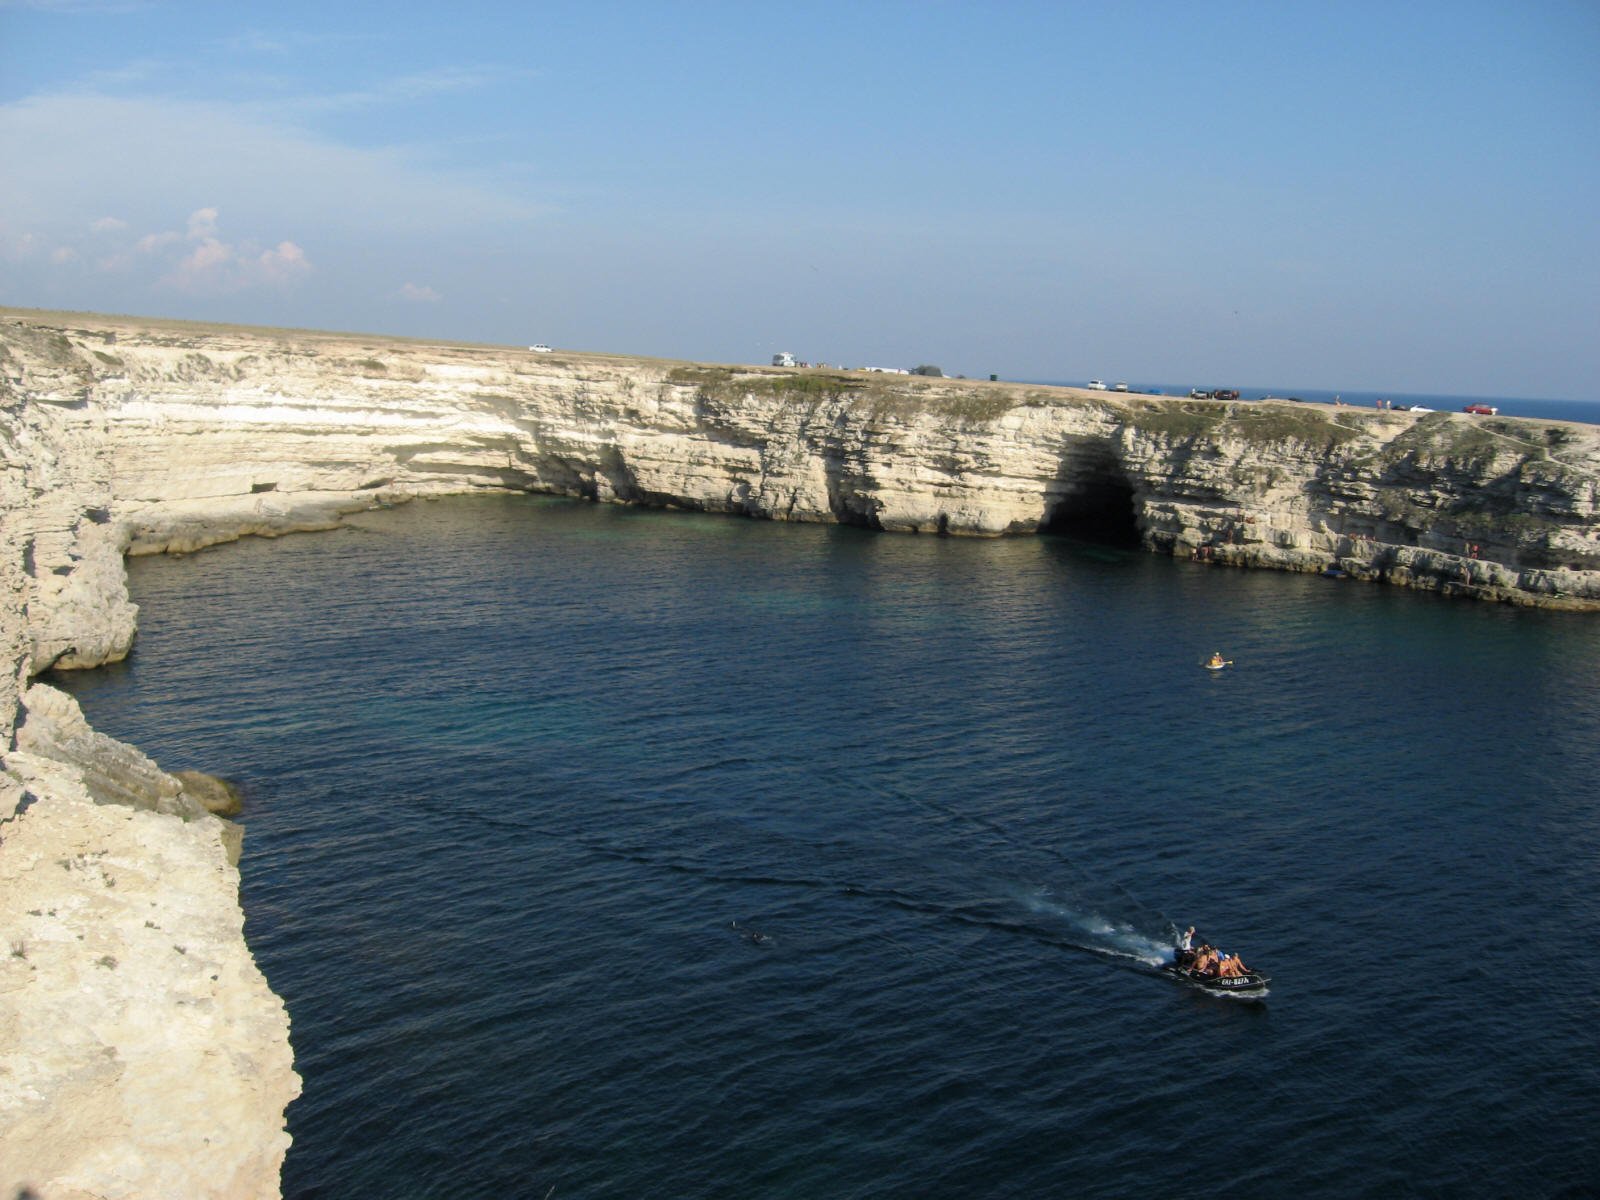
1098,508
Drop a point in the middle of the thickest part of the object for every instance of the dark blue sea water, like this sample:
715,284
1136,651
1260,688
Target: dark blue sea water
1587,411
610,853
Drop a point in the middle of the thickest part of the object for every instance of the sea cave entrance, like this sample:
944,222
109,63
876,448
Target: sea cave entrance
1095,506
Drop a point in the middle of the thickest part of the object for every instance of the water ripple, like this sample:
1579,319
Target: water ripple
640,855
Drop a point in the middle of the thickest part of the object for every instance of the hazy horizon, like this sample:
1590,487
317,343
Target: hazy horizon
1363,198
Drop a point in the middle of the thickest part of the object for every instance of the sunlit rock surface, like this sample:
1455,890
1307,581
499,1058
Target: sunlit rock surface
145,1053
194,434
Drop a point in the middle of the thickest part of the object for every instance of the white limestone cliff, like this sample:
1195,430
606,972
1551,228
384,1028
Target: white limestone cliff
208,433
144,1054
130,436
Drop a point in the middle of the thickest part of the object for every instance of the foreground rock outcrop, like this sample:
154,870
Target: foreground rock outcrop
145,1055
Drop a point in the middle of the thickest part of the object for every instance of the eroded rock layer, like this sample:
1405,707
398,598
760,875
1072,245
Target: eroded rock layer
201,433
169,1070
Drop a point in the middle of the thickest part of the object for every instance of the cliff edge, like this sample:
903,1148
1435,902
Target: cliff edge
210,432
144,1054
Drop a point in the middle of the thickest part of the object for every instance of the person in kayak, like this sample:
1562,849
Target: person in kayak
1217,660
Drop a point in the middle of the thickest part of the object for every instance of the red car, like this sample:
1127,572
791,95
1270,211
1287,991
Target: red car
1481,410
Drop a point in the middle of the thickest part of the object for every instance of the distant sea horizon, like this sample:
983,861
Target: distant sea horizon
1587,411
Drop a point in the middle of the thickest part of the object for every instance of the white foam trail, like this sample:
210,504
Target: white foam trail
1109,937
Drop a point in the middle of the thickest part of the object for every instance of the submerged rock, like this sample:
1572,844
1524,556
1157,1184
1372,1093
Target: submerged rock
220,797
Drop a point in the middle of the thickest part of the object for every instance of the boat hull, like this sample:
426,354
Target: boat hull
1251,984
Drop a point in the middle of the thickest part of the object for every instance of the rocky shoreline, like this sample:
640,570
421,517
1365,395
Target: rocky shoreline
150,1056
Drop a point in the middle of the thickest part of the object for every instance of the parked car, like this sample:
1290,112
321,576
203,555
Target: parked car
1119,387
1199,394
541,348
1481,410
1097,385
1225,394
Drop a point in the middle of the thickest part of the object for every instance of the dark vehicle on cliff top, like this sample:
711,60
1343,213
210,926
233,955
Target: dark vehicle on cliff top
1225,394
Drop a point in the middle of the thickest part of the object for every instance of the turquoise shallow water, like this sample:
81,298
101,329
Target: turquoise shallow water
626,853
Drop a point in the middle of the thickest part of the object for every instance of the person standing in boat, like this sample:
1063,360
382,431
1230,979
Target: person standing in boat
1184,954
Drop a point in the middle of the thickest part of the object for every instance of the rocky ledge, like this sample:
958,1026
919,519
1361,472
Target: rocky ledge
145,1055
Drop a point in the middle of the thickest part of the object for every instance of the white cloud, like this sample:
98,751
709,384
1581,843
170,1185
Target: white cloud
78,7
216,200
284,263
419,85
202,224
19,247
213,267
152,242
70,158
256,42
198,262
260,41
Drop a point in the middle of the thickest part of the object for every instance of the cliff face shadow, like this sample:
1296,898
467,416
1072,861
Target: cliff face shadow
1093,501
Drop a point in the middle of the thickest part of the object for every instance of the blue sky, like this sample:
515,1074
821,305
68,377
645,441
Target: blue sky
1389,196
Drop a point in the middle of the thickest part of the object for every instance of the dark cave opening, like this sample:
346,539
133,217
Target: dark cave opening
1100,508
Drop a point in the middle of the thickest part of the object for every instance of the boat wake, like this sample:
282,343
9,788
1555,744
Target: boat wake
1117,939
988,875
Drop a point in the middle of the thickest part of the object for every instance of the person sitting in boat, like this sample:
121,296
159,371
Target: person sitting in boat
1231,967
1205,961
1216,659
